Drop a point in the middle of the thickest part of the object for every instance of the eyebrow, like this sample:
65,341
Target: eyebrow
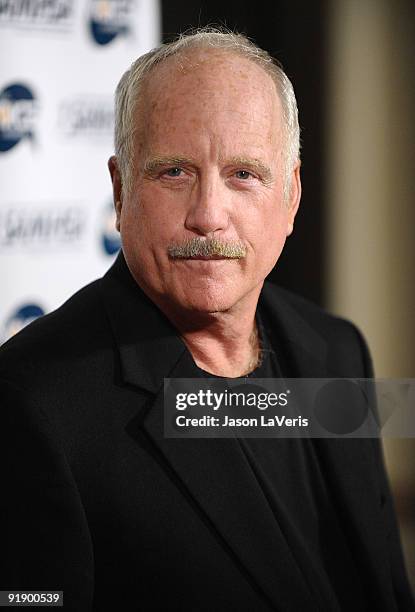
254,164
154,163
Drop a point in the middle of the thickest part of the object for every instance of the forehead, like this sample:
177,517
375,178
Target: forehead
207,64
209,87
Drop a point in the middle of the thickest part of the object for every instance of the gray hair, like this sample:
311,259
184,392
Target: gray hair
130,90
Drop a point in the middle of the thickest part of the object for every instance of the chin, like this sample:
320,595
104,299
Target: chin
205,305
219,300
208,296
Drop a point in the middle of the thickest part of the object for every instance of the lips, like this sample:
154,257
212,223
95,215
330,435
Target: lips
207,258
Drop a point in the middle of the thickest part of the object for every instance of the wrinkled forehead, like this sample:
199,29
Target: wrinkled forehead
204,78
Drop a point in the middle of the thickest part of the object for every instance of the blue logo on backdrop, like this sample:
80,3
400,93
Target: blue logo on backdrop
22,316
18,109
110,18
110,237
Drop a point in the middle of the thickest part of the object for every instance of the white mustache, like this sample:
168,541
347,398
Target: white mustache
205,247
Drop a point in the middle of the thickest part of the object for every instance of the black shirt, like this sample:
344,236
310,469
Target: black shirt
290,476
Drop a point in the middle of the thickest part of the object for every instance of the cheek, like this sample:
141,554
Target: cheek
271,247
267,240
268,230
148,225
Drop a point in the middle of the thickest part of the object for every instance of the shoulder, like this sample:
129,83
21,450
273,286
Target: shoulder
329,325
72,329
311,327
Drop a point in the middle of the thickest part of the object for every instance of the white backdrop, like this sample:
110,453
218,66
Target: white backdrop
60,62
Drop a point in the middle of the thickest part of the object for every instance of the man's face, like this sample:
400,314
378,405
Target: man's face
208,163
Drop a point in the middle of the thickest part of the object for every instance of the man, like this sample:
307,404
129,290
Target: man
97,501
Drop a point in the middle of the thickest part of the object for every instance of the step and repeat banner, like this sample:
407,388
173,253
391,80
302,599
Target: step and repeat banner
60,61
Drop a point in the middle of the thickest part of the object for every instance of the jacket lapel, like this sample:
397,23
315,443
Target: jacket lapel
219,479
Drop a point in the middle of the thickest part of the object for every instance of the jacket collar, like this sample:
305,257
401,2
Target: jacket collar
301,351
148,344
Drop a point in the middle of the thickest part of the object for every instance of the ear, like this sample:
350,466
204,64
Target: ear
116,188
294,197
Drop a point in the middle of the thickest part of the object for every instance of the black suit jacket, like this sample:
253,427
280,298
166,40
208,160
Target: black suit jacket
95,501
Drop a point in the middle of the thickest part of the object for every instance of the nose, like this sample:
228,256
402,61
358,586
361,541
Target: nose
209,206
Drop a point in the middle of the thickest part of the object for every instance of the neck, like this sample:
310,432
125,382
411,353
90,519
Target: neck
222,343
224,353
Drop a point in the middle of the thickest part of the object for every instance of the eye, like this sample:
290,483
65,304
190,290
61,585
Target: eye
243,174
173,172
